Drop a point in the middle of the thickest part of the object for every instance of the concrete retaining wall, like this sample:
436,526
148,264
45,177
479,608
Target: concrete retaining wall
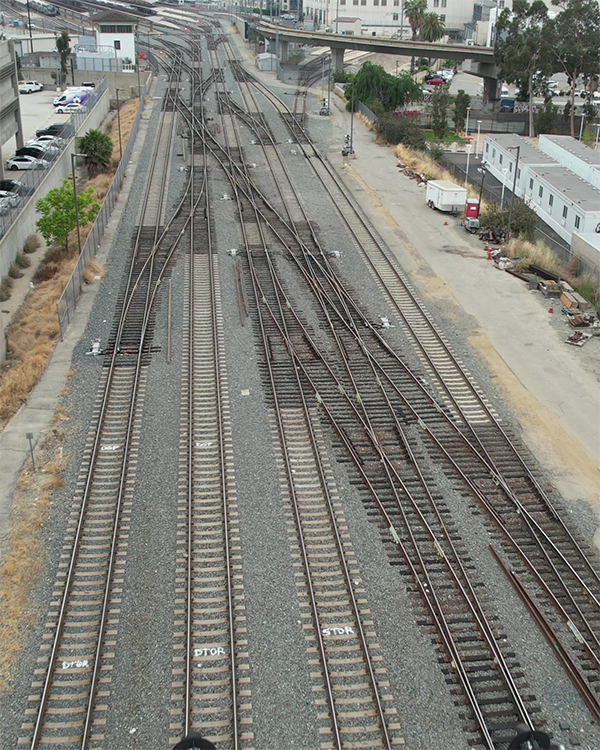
18,232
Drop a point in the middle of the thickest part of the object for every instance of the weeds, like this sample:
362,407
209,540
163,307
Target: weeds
14,272
32,243
6,286
21,261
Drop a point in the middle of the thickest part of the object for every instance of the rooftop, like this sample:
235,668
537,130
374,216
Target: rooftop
114,16
345,19
574,147
528,154
574,188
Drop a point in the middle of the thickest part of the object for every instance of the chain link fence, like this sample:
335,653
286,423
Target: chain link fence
31,178
67,303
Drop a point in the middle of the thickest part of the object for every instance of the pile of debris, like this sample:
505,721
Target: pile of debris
492,235
418,176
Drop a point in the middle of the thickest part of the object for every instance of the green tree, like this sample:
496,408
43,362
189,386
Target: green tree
415,10
381,91
524,47
58,213
403,129
97,148
64,49
461,102
432,28
524,219
545,118
439,111
576,32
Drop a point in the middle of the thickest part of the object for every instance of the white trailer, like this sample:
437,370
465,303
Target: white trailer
446,196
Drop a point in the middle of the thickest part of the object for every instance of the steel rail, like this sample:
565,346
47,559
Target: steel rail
261,296
36,737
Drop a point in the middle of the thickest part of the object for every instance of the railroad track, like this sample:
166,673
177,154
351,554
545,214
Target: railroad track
71,690
457,416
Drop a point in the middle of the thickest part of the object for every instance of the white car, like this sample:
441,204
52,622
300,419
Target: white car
10,199
68,109
45,140
25,162
28,87
447,74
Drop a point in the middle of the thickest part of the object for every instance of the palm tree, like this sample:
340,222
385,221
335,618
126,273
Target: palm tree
432,28
97,147
415,10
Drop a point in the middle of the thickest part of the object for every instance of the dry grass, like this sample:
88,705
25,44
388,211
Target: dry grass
419,162
25,552
127,112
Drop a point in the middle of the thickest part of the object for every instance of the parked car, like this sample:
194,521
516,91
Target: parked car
88,85
68,109
26,162
447,74
45,140
28,87
9,199
39,152
64,129
434,80
16,187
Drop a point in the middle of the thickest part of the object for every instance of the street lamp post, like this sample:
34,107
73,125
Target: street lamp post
137,59
477,144
467,125
581,126
469,149
73,159
597,135
352,122
483,170
514,187
504,172
119,125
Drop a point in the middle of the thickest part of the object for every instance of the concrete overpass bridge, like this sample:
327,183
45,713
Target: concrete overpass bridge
481,58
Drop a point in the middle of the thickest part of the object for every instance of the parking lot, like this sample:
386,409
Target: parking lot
37,111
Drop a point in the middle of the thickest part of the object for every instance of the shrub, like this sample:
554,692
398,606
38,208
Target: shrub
524,219
22,261
436,152
5,288
396,128
31,244
14,271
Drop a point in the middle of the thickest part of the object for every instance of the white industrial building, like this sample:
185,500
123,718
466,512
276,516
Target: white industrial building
114,45
560,180
384,17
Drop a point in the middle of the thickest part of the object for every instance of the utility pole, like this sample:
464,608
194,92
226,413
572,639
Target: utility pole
514,187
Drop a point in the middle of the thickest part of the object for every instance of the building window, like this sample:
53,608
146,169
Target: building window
442,16
436,3
363,2
115,29
551,199
531,183
493,153
396,3
384,2
443,3
565,212
510,166
394,16
501,158
541,191
117,44
518,174
487,148
577,222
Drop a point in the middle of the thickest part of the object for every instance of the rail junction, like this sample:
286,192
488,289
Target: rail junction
351,407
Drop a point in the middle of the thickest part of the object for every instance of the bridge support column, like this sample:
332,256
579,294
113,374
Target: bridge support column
284,51
490,91
337,58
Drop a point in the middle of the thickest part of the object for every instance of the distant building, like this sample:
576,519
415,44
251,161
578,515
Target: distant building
114,44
